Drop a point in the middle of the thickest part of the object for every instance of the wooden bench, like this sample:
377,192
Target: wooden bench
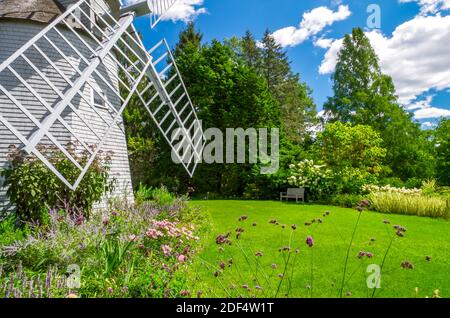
293,193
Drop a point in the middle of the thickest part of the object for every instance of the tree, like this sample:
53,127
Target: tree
189,40
274,64
227,93
364,95
250,52
361,92
294,97
353,152
442,148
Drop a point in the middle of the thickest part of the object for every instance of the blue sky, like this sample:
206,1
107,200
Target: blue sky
413,40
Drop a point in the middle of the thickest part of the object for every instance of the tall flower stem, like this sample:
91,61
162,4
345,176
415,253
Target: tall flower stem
312,272
384,260
348,253
286,264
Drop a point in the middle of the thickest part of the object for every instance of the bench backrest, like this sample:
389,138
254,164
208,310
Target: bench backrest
296,191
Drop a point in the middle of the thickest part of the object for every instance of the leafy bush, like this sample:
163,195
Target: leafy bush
160,196
346,200
33,189
122,252
400,203
429,187
395,182
10,232
413,183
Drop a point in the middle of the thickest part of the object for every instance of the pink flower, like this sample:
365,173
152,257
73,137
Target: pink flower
154,234
182,258
166,249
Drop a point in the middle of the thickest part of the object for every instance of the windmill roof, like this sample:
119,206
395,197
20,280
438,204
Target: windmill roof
38,10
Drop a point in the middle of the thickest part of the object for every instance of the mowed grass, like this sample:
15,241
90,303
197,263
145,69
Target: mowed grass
424,237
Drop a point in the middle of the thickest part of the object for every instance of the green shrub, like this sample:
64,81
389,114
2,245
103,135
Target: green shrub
160,196
395,182
120,252
429,187
10,232
399,203
33,189
346,200
413,183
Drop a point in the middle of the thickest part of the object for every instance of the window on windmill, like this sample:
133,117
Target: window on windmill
98,97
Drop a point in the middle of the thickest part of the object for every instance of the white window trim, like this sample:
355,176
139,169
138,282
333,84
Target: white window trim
98,90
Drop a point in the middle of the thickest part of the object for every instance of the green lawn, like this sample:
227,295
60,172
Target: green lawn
424,237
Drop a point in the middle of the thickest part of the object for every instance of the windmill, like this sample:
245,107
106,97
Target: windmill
68,69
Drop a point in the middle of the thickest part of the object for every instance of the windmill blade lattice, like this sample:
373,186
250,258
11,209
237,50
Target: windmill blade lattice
158,9
95,59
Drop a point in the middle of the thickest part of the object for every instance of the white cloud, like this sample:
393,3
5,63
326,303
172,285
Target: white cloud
184,10
312,23
430,6
431,112
324,43
424,110
331,56
415,56
428,125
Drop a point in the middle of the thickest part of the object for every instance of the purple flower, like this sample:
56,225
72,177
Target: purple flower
310,241
407,265
223,239
361,254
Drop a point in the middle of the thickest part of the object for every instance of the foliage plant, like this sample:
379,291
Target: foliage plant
33,189
122,251
421,205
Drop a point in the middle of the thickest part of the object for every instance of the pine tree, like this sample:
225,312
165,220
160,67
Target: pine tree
251,53
190,40
274,62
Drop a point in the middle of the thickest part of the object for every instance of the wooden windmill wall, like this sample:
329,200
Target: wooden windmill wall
19,22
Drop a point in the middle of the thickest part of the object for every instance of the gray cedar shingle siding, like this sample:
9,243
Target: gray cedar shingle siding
13,34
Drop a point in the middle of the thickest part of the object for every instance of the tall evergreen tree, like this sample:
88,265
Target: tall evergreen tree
274,62
298,108
364,95
250,52
189,40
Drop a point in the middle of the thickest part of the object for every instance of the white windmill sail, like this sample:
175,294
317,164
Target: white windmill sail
89,32
158,9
